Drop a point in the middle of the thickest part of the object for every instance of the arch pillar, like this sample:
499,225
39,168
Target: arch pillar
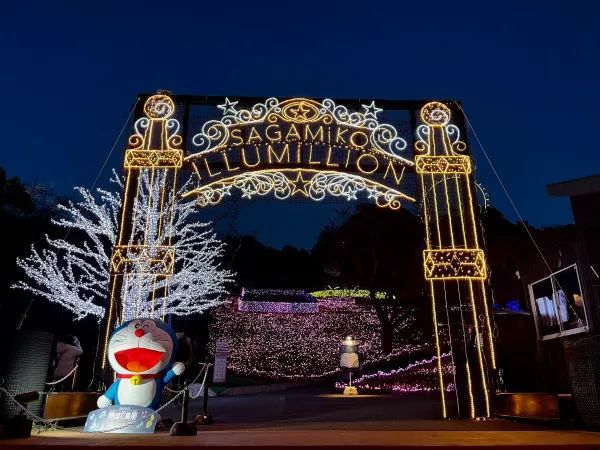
143,244
454,265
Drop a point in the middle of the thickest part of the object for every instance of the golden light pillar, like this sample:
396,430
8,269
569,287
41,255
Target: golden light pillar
454,264
151,164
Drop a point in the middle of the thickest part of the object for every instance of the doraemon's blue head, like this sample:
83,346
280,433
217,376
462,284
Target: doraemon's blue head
142,346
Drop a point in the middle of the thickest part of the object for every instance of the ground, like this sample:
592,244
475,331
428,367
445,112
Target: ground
315,417
320,408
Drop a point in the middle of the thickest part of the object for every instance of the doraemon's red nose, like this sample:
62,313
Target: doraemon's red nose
139,332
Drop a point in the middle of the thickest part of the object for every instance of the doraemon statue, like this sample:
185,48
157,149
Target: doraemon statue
141,352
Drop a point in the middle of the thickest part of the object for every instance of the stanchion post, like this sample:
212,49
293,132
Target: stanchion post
206,418
185,403
184,428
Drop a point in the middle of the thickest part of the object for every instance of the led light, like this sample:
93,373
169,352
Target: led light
152,274
453,252
166,262
289,343
285,183
415,377
219,134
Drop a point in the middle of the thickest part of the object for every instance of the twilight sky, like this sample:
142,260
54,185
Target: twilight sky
527,74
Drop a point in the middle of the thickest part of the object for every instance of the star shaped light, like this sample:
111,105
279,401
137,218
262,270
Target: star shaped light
300,111
226,189
373,192
228,107
300,185
371,110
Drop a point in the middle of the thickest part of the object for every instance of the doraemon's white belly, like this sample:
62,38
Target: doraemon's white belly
140,395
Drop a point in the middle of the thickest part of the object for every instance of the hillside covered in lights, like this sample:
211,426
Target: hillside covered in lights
280,339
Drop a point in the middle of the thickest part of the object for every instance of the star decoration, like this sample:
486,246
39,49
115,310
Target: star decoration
226,189
301,185
373,192
371,110
300,111
228,107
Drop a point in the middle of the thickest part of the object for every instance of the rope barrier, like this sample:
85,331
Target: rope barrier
21,408
54,383
52,423
194,397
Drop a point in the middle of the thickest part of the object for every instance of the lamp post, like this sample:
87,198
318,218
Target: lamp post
349,362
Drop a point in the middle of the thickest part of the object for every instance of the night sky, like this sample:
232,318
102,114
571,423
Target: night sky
527,76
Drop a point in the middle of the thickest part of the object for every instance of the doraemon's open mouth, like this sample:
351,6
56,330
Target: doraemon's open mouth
138,359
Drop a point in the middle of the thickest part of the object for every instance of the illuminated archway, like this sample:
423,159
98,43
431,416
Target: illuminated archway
314,149
299,147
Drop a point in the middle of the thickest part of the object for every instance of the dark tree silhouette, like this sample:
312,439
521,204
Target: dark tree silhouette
379,250
23,221
259,266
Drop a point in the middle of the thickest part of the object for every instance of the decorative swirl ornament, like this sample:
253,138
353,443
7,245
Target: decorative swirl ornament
300,111
216,134
422,143
435,114
136,140
158,109
174,138
315,185
437,136
159,106
457,145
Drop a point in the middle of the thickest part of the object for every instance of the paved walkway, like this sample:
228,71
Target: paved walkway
257,438
313,417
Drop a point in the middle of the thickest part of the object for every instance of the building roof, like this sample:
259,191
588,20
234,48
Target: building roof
573,188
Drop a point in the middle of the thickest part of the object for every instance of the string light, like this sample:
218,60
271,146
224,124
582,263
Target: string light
454,264
77,276
456,255
290,134
451,254
418,376
294,147
443,164
281,301
348,293
286,346
284,183
216,134
137,159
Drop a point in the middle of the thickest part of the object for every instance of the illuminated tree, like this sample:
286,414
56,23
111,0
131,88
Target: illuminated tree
74,271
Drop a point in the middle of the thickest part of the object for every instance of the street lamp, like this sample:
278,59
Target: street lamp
349,362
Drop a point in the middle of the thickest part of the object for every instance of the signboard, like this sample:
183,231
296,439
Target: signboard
220,368
299,147
122,419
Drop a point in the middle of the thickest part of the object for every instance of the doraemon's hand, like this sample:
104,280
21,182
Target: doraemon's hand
178,368
103,401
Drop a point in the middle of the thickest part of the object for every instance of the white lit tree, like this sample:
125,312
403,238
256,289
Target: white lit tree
75,272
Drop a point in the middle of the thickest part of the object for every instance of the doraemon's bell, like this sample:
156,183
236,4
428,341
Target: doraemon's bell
136,379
